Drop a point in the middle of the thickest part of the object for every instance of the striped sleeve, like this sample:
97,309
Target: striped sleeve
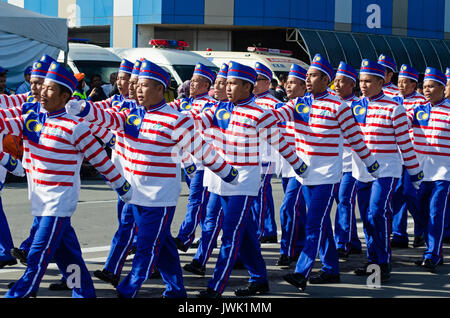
104,134
190,140
353,134
11,112
204,119
105,119
269,131
12,126
85,142
284,113
401,132
12,100
103,104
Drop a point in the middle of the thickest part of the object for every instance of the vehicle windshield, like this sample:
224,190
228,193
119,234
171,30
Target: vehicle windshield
185,71
103,68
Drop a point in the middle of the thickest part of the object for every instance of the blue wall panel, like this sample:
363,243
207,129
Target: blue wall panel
312,14
49,7
248,12
426,18
360,16
99,12
183,12
147,11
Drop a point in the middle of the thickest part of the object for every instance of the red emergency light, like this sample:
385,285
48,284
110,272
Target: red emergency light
178,44
269,51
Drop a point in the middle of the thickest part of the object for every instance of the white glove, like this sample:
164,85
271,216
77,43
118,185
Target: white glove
416,184
416,180
74,107
125,192
13,165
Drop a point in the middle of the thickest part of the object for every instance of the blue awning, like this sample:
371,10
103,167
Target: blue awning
353,47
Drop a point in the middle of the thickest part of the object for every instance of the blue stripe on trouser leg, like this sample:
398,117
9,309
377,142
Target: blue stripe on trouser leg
346,234
6,242
263,206
238,227
26,244
419,217
378,217
153,232
196,208
51,232
319,201
122,240
292,219
211,229
435,198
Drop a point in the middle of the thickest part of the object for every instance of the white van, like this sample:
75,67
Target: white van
180,64
277,60
91,59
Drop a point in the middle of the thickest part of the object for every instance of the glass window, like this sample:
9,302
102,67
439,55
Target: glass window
333,48
351,49
400,55
443,53
415,54
365,47
380,44
313,43
429,53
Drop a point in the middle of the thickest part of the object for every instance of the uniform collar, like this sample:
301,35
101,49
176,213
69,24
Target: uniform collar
376,97
320,95
57,113
262,94
245,101
387,84
156,106
442,101
410,95
348,98
200,96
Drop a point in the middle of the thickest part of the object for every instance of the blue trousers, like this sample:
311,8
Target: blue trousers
263,206
6,242
292,218
211,227
196,208
155,247
122,240
434,199
345,230
26,244
404,200
54,238
319,232
238,237
375,207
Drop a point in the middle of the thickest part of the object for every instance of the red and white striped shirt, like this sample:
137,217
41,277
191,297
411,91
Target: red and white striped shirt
347,155
390,89
149,143
321,122
431,128
385,127
7,101
54,144
236,131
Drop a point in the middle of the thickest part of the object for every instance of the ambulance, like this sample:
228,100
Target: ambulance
279,61
169,55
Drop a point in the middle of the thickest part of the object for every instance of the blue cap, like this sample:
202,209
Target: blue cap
223,71
126,66
321,63
408,72
152,71
386,61
3,70
205,71
47,59
372,68
39,69
346,70
297,71
241,71
447,73
136,68
28,70
434,74
59,74
263,70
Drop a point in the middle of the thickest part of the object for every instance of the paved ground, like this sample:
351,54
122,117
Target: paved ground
95,222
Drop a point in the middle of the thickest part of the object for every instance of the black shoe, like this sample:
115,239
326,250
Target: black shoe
107,276
180,245
61,285
239,265
324,278
195,268
19,254
419,241
269,239
297,280
385,272
195,244
252,289
396,244
426,264
155,274
343,253
283,260
362,271
8,263
209,293
355,251
446,240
